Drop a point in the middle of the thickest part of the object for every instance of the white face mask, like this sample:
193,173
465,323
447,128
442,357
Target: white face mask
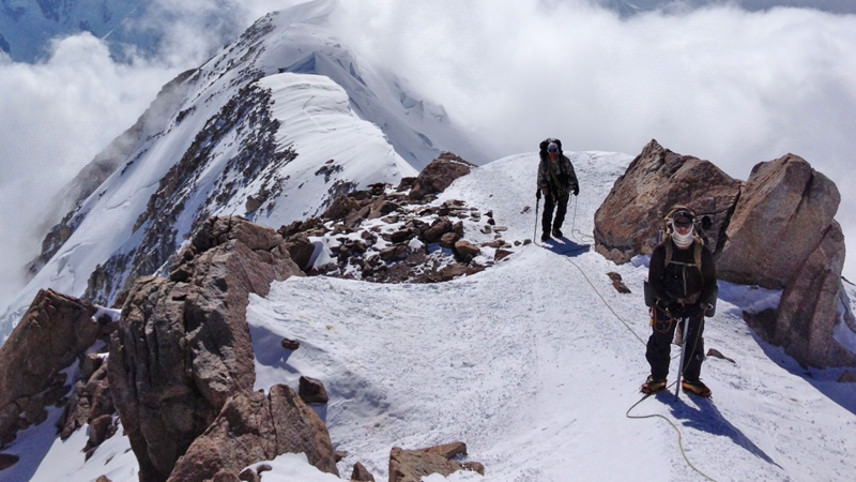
682,240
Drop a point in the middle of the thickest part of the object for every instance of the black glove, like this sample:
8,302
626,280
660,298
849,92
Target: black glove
538,194
576,190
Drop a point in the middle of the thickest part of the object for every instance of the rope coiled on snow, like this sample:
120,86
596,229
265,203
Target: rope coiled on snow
629,328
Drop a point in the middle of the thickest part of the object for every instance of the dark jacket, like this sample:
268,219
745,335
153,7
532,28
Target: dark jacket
681,285
556,179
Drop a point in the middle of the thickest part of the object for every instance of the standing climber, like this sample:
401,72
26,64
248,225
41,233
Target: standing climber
556,180
682,289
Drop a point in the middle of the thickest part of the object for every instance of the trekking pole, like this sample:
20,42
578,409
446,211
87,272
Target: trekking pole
574,219
535,229
683,354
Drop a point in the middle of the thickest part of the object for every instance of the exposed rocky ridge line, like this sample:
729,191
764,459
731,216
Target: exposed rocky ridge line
776,230
182,347
394,235
180,370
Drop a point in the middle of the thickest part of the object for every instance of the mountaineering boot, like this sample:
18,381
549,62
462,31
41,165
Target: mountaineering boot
652,385
696,387
557,233
545,236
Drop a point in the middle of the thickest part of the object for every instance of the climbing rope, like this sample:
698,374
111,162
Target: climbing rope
629,328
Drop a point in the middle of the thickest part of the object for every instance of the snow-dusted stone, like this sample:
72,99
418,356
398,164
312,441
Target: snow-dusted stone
253,427
630,220
183,347
312,390
438,175
412,465
54,332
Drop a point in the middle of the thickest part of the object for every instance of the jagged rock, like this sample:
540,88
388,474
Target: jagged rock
465,250
361,474
412,465
617,282
630,219
90,399
55,331
438,175
183,346
289,344
249,475
100,429
253,427
785,209
312,390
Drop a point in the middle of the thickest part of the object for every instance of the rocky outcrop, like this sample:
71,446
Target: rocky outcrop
438,175
775,230
182,348
389,235
785,209
253,427
630,220
55,332
412,465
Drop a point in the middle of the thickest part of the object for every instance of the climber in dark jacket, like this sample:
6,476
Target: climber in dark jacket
682,280
556,181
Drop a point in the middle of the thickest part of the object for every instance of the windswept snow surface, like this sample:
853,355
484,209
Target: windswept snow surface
534,363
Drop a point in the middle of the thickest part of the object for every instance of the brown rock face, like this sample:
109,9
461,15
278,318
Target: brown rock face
785,210
55,331
631,217
183,347
438,175
808,309
253,427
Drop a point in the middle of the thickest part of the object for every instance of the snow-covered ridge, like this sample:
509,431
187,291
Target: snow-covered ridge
248,133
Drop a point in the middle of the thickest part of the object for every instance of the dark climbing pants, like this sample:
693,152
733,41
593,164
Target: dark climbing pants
659,345
559,205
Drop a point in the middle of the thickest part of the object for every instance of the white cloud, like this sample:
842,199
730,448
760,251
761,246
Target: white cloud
722,84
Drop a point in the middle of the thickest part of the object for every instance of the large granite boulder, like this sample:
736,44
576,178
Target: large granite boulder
183,347
785,209
630,220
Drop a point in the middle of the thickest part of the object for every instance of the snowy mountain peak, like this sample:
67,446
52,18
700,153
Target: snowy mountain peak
272,128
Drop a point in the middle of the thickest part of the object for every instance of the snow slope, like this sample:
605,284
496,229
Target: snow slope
534,363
